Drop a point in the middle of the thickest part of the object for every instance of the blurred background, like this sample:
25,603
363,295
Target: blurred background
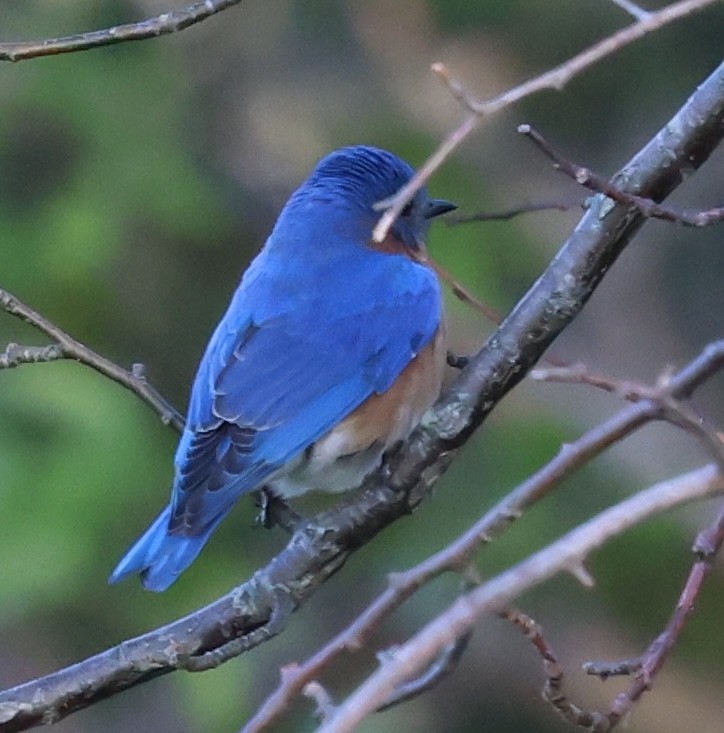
137,182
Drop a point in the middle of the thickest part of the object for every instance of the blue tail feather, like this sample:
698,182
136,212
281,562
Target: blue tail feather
160,557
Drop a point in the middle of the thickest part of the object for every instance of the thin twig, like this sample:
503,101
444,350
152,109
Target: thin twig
463,294
582,374
707,545
170,22
598,184
682,415
619,668
445,664
322,699
507,214
673,410
632,9
15,355
133,380
455,87
555,79
553,688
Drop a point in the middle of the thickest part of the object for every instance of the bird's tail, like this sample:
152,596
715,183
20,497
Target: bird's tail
159,556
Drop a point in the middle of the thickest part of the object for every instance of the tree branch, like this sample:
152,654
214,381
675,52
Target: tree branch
632,9
707,545
66,347
454,220
161,25
596,183
553,688
15,355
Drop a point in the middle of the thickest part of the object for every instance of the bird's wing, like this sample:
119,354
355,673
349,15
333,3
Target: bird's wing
269,386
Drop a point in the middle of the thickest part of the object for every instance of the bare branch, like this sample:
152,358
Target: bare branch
161,25
581,374
555,79
620,667
322,699
671,409
15,355
67,347
455,87
707,545
560,556
593,182
463,294
632,9
553,688
446,663
507,214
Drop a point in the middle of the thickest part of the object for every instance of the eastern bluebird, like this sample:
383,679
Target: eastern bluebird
329,353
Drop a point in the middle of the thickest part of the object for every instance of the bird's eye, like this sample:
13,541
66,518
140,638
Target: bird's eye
407,210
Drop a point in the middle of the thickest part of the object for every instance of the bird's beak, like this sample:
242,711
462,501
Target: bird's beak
436,207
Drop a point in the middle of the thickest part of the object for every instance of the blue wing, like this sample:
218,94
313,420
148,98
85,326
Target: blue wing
288,361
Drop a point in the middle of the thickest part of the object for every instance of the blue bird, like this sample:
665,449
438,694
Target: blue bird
329,353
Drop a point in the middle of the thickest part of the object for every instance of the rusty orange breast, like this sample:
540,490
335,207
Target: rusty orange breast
389,417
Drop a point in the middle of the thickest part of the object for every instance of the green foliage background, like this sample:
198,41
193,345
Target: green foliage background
137,182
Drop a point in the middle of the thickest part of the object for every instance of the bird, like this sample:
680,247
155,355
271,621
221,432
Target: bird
330,352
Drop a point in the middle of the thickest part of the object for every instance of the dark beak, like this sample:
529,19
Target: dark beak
436,207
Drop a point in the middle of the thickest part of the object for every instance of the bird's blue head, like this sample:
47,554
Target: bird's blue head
359,177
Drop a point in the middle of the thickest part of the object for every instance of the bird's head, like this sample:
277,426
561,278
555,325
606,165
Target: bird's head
356,179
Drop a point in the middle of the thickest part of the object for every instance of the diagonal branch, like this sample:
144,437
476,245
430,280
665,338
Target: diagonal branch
66,347
161,25
594,182
506,214
632,9
321,546
15,355
706,546
553,688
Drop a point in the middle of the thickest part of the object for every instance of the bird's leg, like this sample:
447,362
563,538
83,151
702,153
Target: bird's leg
274,511
457,362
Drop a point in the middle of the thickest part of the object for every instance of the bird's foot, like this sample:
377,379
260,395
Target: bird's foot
274,511
457,362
